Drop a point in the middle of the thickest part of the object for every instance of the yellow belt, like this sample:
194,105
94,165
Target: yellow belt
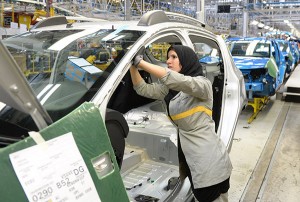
191,112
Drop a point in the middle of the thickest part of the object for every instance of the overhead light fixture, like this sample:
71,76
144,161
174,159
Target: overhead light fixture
260,25
267,27
271,28
286,21
254,22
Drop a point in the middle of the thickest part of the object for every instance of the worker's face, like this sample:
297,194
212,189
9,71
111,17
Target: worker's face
173,61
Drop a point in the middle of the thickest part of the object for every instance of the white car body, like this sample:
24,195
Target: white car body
152,139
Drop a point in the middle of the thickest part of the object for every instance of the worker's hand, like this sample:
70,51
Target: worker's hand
138,57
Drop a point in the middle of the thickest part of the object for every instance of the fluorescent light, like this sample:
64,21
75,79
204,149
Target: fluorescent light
254,22
260,25
286,21
271,28
266,27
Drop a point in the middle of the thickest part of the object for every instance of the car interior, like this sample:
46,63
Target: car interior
119,104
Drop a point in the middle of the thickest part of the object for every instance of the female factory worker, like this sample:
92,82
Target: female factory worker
189,98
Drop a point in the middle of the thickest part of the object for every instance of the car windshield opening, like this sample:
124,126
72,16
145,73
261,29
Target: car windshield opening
250,49
64,78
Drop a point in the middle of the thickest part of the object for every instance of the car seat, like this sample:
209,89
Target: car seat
117,129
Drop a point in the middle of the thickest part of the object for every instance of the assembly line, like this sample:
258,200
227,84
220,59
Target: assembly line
75,125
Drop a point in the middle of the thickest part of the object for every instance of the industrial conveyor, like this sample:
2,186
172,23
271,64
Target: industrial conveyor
292,87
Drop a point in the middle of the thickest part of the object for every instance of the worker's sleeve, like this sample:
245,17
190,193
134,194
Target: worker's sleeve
153,90
199,86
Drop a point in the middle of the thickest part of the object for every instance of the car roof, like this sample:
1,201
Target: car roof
151,21
248,39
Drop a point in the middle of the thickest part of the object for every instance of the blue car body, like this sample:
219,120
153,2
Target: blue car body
286,48
261,62
295,51
209,60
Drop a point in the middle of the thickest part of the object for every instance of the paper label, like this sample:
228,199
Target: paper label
54,171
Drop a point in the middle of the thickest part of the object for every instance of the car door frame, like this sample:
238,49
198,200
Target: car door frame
233,79
102,97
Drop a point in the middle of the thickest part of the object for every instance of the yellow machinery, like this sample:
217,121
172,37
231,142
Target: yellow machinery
257,104
36,68
91,59
42,13
1,13
101,64
33,66
23,17
159,51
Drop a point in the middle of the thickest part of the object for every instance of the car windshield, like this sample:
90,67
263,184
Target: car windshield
250,49
64,76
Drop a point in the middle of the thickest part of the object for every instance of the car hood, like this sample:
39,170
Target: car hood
250,63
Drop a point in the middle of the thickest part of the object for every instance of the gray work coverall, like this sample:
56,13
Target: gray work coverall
190,110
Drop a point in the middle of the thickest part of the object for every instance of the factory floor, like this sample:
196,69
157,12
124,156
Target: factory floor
266,154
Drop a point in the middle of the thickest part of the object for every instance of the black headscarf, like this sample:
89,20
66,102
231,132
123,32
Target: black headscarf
190,65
